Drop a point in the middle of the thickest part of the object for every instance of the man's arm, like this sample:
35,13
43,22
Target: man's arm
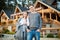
40,22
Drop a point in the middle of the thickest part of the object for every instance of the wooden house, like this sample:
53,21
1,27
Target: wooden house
50,16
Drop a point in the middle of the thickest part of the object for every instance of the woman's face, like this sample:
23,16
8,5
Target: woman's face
25,14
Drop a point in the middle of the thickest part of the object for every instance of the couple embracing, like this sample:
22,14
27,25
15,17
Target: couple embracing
29,26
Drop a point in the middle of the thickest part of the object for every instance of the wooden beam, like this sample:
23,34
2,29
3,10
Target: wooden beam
49,7
56,17
50,28
46,11
50,15
42,14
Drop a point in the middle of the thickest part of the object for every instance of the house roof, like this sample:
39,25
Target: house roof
47,6
18,9
2,12
9,11
23,8
12,10
49,2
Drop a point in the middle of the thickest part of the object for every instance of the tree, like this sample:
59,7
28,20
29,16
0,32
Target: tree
2,4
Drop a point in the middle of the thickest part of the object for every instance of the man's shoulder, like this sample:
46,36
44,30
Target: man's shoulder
37,13
29,13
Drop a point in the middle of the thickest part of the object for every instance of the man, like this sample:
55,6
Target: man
35,24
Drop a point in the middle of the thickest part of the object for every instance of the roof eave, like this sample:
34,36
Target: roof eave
46,5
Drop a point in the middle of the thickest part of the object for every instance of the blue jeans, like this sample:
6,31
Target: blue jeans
33,33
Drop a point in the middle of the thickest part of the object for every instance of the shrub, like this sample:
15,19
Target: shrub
5,31
58,0
10,32
50,36
58,35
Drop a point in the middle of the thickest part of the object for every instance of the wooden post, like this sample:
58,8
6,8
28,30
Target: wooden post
42,14
43,34
50,15
56,17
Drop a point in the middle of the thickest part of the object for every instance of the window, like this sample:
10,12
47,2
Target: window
17,10
18,17
14,16
11,17
4,17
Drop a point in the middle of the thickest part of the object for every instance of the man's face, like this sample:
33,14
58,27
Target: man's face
31,8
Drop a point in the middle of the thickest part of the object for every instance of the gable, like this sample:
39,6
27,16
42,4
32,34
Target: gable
17,10
4,15
40,2
38,5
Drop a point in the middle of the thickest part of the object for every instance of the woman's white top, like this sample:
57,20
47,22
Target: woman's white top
24,22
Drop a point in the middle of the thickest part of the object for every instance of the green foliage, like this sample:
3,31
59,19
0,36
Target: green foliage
5,30
2,4
34,1
10,32
58,35
50,36
58,0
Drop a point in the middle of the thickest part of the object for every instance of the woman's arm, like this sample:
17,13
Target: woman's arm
27,22
17,24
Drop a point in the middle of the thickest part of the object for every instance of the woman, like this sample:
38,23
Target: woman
22,26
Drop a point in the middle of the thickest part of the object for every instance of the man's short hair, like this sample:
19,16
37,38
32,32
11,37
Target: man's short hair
31,6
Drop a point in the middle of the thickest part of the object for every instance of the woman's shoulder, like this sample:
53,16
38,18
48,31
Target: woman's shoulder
20,19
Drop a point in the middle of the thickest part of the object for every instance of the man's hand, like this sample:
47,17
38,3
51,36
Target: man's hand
38,30
28,30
